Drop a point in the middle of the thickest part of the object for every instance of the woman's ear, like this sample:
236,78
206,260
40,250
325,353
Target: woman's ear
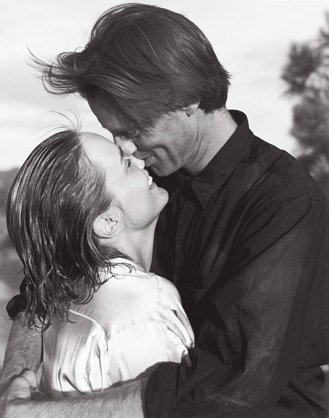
190,109
108,224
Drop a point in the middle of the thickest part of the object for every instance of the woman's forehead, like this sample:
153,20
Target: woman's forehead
97,146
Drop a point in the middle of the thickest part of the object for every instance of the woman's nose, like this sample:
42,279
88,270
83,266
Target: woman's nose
138,162
127,145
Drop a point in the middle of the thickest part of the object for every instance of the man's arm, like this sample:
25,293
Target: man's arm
23,351
122,402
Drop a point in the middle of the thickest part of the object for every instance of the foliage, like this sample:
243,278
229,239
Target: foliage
307,78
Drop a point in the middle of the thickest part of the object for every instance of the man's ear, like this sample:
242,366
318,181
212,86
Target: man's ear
108,224
190,109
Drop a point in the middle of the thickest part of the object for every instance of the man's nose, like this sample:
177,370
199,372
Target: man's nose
127,145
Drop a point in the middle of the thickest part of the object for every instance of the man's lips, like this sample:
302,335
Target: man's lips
148,160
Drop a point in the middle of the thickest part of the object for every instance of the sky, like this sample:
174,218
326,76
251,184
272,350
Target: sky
250,37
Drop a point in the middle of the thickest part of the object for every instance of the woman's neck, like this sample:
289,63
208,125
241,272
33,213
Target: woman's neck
139,246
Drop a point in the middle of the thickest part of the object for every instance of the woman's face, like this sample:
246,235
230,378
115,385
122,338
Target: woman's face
130,187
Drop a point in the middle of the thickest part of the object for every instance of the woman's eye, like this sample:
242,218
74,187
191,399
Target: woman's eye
128,161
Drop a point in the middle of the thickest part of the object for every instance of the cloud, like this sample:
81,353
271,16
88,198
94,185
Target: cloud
23,126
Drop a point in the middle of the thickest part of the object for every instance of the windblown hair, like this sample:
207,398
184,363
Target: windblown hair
51,206
149,59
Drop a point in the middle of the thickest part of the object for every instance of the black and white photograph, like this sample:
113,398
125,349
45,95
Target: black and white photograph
164,212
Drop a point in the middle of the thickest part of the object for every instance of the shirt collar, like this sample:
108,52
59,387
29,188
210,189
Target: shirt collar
124,266
212,177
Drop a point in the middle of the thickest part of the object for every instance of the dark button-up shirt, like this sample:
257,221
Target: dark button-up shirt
247,244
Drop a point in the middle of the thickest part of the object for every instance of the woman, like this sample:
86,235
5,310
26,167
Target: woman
82,219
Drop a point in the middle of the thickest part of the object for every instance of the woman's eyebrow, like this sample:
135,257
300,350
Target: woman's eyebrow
122,156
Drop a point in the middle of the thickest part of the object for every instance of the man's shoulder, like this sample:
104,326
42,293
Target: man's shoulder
284,174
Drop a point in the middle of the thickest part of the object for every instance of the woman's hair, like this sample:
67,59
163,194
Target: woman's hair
51,206
149,59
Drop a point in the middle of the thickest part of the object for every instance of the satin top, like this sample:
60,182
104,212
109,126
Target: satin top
134,321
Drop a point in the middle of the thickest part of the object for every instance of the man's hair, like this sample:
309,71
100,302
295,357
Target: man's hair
51,206
149,59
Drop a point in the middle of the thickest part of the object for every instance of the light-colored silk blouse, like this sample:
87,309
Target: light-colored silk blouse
134,321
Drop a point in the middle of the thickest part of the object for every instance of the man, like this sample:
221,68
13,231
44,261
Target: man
244,236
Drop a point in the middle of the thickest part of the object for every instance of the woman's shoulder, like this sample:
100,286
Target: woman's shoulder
146,284
127,296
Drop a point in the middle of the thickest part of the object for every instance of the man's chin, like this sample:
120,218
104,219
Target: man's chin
160,171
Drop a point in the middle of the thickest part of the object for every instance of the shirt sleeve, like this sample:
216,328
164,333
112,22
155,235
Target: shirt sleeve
17,303
269,319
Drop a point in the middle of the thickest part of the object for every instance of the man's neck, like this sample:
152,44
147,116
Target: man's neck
214,129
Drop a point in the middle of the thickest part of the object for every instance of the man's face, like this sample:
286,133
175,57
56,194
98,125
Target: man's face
166,147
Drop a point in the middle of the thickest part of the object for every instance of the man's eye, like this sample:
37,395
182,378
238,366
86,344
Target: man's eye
131,135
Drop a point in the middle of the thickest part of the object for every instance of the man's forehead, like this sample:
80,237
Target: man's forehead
116,120
109,113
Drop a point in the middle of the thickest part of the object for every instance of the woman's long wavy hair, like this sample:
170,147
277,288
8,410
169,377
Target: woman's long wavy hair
51,206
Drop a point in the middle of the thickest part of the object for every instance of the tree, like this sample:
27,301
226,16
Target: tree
307,77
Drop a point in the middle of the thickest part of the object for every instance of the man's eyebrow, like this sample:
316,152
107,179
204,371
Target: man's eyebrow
117,132
123,132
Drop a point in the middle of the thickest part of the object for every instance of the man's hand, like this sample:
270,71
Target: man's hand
21,386
18,388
